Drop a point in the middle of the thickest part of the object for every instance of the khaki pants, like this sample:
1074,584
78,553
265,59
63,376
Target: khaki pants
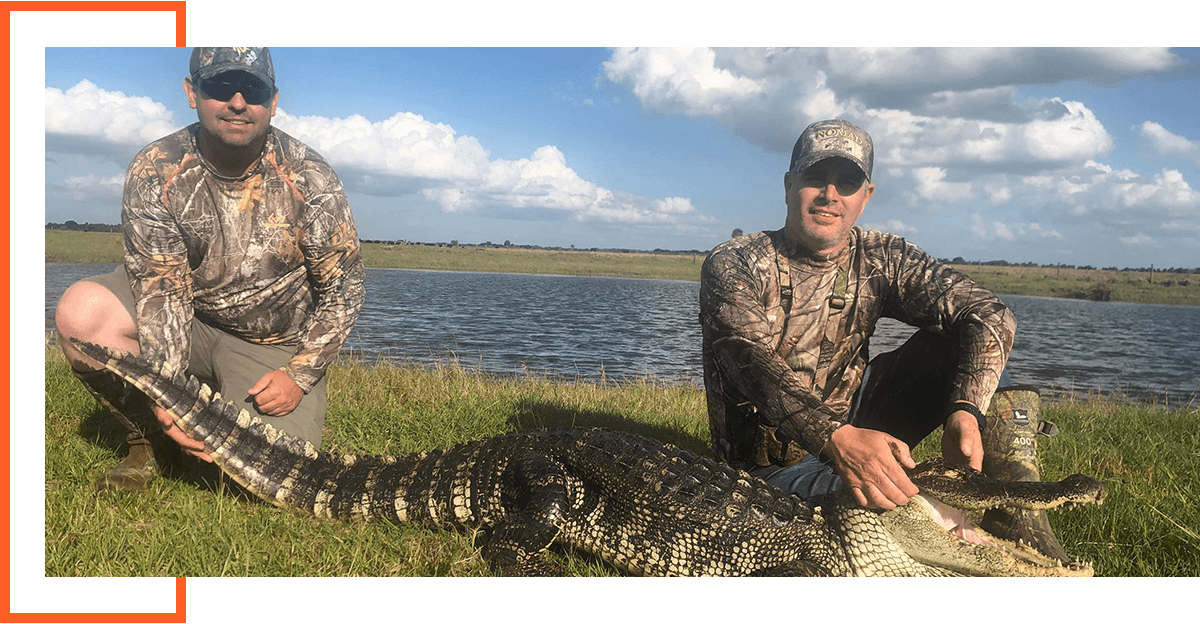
231,365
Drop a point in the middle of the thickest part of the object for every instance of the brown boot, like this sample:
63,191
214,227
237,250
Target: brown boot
131,408
135,472
1010,454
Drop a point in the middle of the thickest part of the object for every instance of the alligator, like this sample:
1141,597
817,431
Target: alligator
642,506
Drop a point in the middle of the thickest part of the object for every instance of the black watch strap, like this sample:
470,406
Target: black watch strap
971,409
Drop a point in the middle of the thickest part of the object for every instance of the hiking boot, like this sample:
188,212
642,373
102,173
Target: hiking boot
1010,454
135,472
131,408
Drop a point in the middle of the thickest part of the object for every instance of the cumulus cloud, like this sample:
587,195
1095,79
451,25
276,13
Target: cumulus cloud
951,126
902,77
682,80
88,119
895,226
90,188
458,174
930,187
924,107
1165,143
904,138
1115,196
1010,232
1137,239
405,154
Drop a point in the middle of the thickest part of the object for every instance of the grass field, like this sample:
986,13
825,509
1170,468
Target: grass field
70,246
1147,456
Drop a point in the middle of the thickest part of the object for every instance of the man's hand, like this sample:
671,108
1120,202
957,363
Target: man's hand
871,462
173,431
276,394
962,444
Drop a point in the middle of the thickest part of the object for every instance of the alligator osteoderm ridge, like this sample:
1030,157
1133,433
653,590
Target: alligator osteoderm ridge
646,507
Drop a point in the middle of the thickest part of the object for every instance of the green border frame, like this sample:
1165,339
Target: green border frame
543,23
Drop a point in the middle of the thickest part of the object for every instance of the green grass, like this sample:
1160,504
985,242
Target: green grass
69,246
1147,455
1134,287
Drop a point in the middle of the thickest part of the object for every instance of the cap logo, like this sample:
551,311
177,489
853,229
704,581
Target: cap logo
836,132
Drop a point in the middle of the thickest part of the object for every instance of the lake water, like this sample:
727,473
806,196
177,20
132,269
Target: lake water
618,328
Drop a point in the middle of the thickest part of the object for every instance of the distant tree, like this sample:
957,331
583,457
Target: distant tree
508,243
454,243
737,232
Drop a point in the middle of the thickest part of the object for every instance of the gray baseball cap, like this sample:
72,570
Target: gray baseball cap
833,138
209,62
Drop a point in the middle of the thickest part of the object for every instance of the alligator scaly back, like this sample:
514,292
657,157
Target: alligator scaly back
643,506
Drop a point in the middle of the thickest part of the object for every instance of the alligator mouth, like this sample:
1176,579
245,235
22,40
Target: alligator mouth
976,541
937,527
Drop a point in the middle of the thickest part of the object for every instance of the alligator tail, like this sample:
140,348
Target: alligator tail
288,471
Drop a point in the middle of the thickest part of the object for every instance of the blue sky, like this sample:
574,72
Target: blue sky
1047,155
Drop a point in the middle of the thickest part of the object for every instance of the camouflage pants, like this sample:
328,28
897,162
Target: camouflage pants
231,365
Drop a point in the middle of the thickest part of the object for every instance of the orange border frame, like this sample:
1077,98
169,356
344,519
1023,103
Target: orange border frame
179,7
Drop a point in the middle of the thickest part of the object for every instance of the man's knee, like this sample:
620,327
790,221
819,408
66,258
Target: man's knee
89,311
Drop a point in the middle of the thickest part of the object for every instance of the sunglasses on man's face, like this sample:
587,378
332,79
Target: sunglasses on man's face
224,90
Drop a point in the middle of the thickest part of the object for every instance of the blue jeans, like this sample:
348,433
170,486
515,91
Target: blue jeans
903,392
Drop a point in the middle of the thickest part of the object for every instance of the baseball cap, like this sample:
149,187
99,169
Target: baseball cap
833,138
209,62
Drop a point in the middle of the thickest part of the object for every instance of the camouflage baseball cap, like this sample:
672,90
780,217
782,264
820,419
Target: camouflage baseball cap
209,62
833,138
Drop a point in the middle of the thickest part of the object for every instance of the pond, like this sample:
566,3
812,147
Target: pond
617,328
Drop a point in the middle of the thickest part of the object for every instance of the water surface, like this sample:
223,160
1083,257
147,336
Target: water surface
593,327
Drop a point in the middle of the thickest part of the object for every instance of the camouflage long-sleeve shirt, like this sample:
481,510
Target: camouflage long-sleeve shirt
271,257
779,383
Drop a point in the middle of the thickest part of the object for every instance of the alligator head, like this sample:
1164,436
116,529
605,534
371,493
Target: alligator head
934,529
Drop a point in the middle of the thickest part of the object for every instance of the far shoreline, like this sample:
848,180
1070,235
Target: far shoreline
68,246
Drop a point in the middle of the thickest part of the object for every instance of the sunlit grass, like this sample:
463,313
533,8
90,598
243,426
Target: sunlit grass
1147,456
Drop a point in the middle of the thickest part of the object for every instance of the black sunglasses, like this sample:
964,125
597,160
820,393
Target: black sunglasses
253,92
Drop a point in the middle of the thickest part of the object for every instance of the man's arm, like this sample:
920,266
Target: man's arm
333,256
935,296
156,260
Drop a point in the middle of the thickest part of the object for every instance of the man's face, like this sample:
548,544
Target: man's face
824,201
234,108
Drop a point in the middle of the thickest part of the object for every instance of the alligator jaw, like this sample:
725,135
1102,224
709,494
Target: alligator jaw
934,529
940,536
967,489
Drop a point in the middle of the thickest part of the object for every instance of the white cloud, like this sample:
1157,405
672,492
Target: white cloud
1010,232
768,95
998,193
89,188
931,70
683,80
1137,239
1167,192
403,155
931,187
895,226
87,115
457,173
1118,196
1166,143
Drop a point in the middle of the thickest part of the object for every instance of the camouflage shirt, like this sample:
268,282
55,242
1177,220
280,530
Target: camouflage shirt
271,257
781,370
